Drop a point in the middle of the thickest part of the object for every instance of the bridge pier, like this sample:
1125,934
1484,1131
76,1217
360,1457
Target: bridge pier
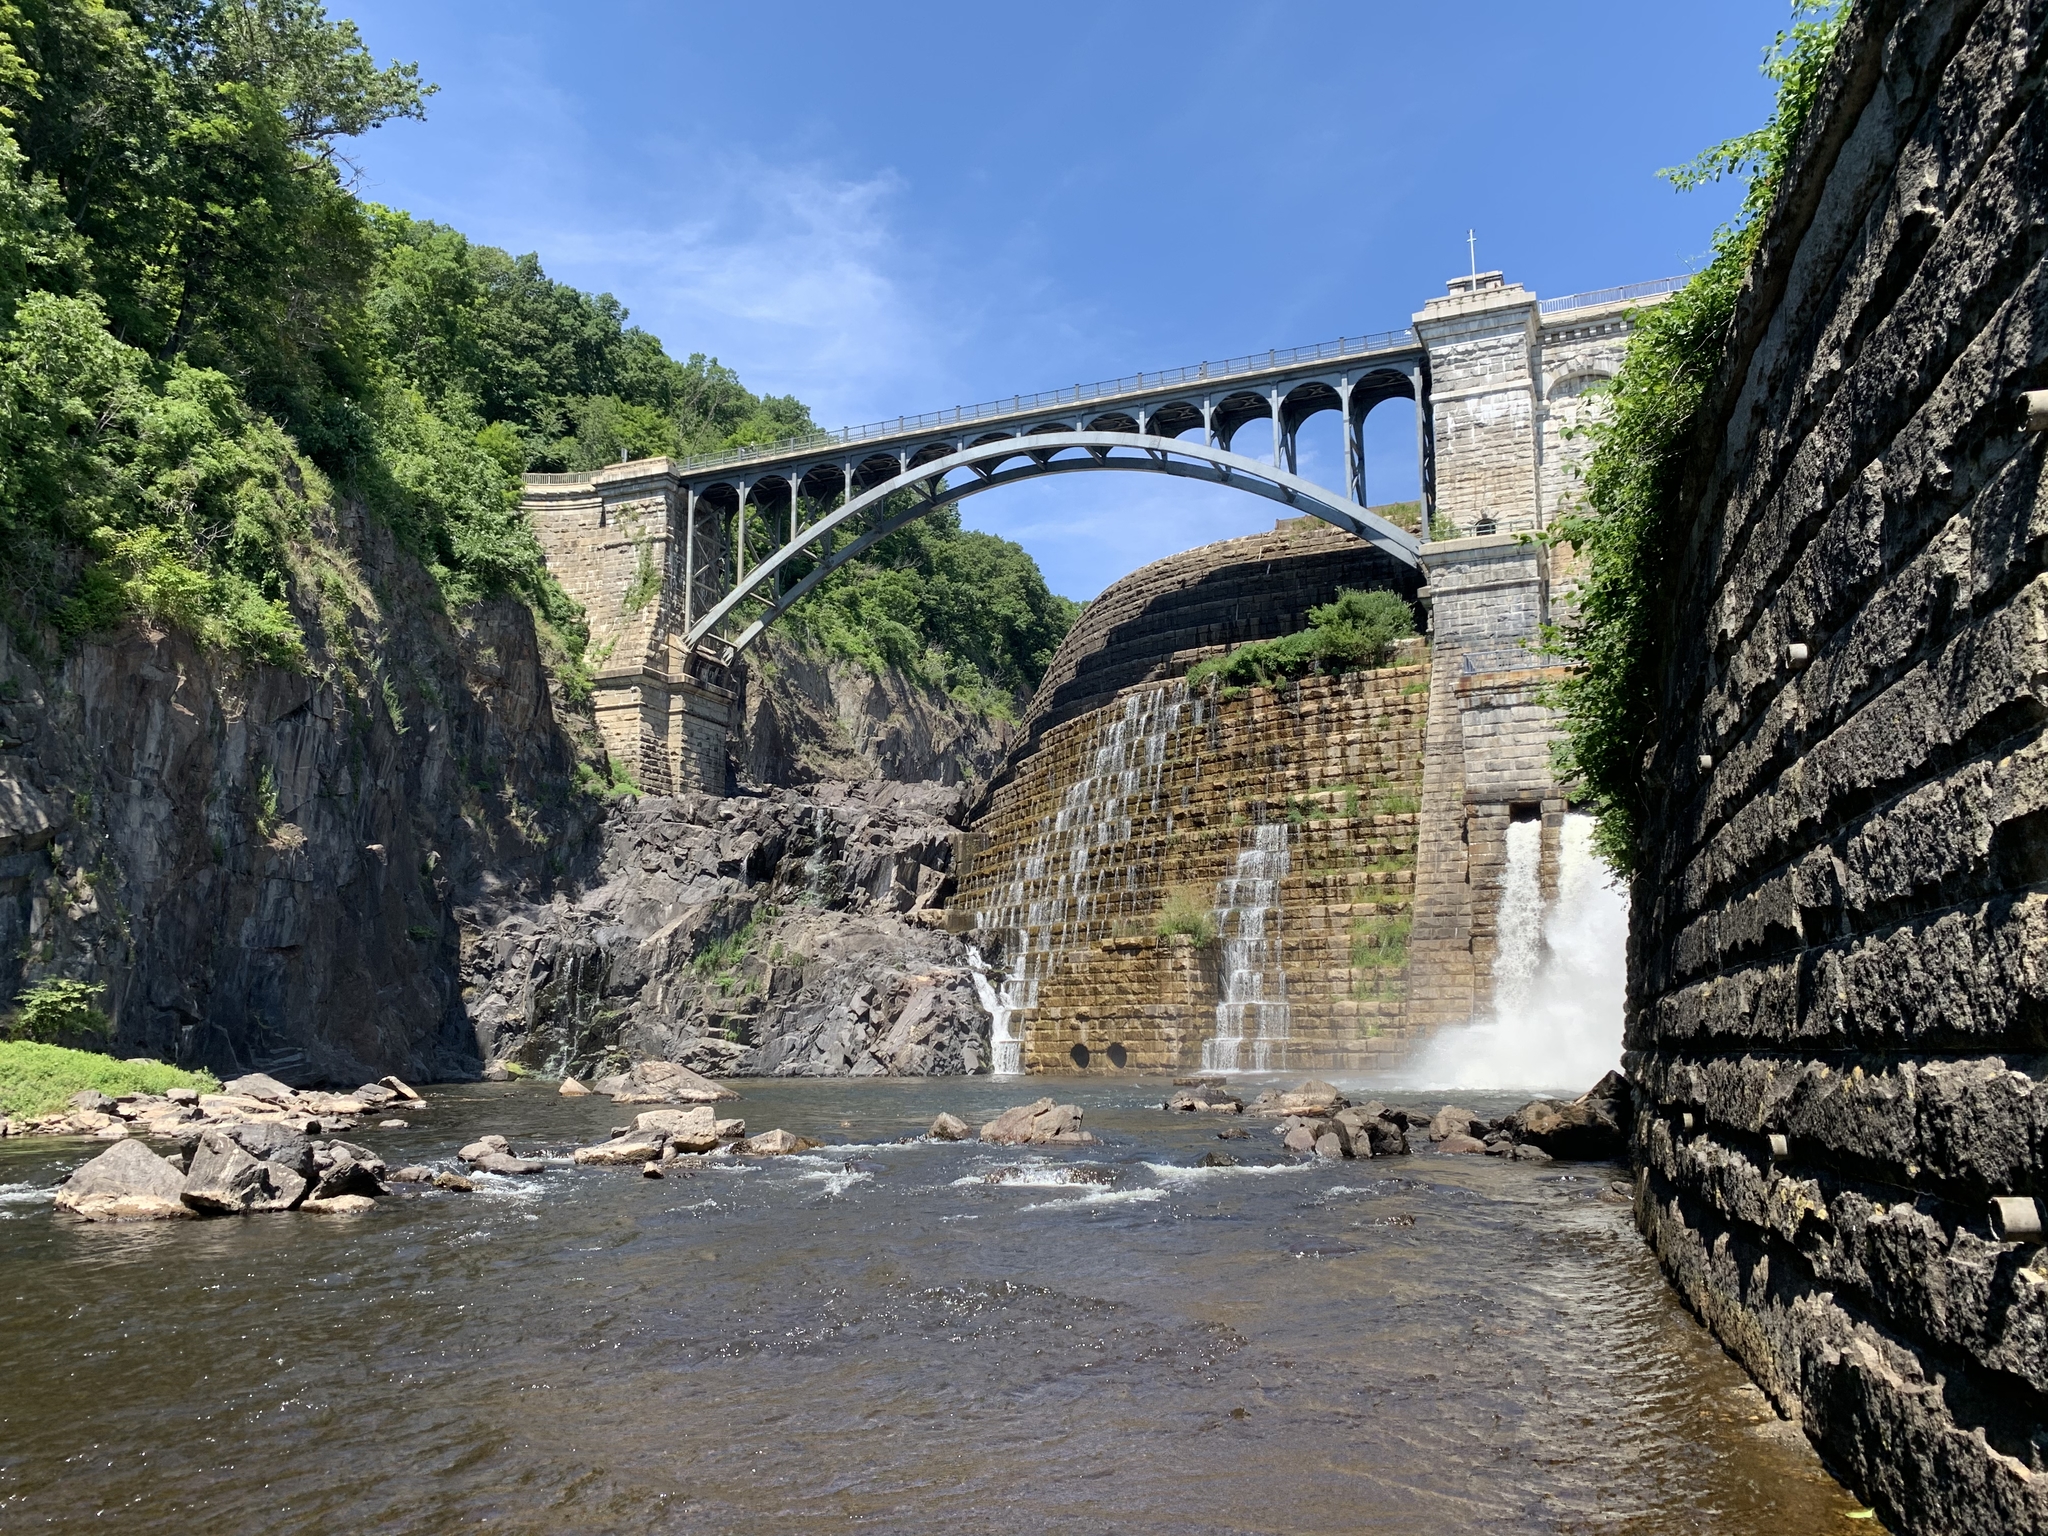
638,550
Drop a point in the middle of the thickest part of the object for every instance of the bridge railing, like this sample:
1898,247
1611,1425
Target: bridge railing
1655,288
1077,394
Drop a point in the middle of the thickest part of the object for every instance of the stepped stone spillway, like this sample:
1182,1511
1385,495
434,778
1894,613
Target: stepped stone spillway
1336,762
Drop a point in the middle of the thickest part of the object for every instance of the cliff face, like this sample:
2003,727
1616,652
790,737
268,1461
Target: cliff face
788,934
1838,1019
268,869
810,717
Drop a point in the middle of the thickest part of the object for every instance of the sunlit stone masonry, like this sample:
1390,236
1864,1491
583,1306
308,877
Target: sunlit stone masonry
1282,819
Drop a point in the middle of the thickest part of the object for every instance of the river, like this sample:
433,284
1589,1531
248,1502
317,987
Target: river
880,1338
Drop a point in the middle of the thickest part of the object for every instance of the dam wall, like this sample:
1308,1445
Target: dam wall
1838,982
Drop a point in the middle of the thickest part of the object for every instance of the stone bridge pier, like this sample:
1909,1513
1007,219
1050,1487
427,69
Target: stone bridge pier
621,542
1510,377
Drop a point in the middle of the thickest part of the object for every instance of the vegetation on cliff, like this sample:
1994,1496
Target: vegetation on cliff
1630,527
37,1079
206,340
1358,629
948,607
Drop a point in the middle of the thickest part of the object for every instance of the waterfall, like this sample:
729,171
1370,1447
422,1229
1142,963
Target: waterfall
1064,893
1254,985
1556,1020
818,867
1006,1050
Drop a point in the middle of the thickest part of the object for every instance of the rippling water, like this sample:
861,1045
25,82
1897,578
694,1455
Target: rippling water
890,1338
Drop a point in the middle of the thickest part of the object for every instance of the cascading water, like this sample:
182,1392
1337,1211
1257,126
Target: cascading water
1006,1047
1064,894
1254,984
1558,978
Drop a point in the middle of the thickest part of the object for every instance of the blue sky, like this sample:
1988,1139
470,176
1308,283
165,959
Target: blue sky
890,208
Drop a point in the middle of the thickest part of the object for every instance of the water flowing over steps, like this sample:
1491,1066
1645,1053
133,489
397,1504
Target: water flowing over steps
1066,872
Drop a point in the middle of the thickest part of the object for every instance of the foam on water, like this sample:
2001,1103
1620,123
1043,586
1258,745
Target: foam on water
1100,1195
1556,1020
836,1182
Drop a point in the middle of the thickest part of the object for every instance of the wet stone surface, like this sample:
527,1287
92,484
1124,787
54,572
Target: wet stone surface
904,1336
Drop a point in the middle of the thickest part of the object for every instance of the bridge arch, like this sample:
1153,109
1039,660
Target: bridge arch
987,465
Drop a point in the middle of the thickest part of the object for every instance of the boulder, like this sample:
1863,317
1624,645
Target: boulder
1329,1146
339,1205
225,1180
1313,1097
343,1169
273,1141
456,1182
1458,1141
1453,1121
374,1096
1299,1138
949,1128
187,1096
651,1171
392,1125
571,1089
1528,1153
667,1082
1040,1123
1233,1133
260,1087
127,1182
777,1143
1386,1138
687,1130
502,1162
92,1100
483,1147
1216,1160
634,1147
414,1174
1594,1125
399,1087
728,1129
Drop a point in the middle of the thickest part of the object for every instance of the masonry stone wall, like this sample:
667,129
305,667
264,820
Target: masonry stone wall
1155,622
620,543
1336,760
1838,981
1487,762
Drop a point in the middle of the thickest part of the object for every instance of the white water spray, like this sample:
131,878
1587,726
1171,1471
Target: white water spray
1254,985
1558,979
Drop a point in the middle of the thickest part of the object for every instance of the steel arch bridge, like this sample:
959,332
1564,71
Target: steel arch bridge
682,564
827,499
871,514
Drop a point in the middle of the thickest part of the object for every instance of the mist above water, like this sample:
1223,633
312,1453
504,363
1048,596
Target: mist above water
1559,978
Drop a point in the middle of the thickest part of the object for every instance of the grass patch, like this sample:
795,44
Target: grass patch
1187,913
1356,631
37,1079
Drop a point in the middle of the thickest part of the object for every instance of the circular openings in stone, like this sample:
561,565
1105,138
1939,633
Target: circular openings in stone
1117,1055
1079,1054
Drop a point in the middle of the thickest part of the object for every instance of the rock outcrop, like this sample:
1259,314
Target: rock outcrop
792,934
264,866
809,717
